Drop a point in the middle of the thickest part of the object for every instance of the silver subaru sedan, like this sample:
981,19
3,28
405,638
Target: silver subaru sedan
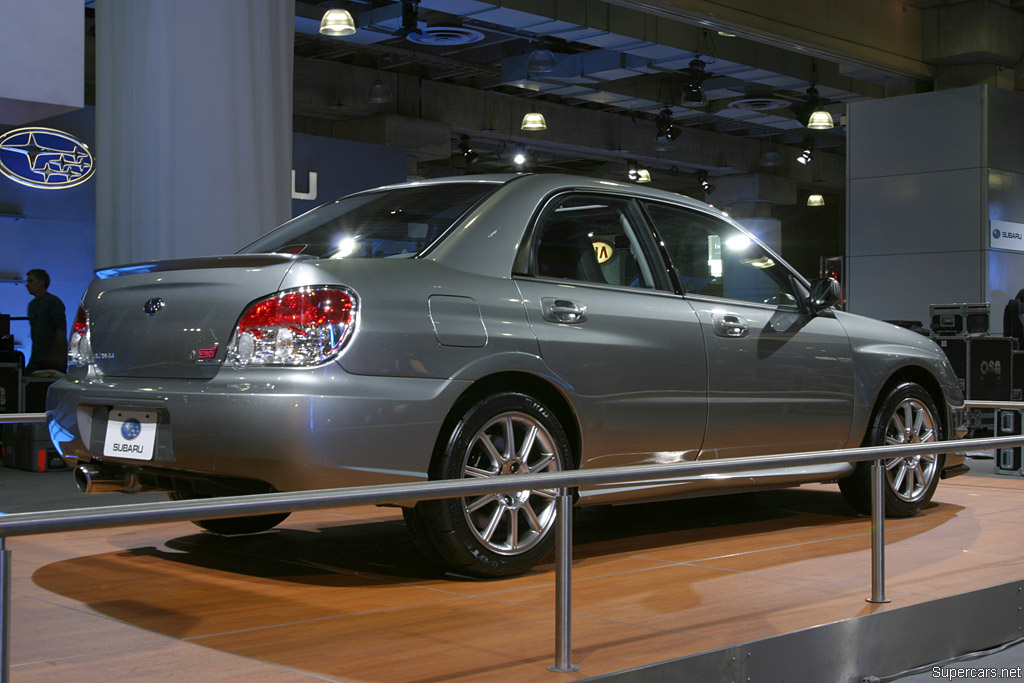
483,326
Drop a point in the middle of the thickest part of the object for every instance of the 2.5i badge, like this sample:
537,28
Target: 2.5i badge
130,434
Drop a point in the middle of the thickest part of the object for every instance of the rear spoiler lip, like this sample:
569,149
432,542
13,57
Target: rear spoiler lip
233,261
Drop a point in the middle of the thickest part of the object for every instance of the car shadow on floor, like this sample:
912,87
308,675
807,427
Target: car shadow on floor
346,550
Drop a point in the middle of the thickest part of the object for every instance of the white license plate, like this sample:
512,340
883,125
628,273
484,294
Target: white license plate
130,434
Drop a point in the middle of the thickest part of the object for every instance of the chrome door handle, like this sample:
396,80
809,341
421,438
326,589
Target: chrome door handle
729,325
563,311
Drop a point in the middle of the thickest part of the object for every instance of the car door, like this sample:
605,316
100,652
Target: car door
629,353
779,378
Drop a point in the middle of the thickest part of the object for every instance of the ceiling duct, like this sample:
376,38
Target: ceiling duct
758,97
445,36
443,30
758,104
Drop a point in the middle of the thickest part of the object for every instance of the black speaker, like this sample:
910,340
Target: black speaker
984,366
10,387
989,368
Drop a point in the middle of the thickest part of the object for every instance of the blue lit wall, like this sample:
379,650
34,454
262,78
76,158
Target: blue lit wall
56,233
58,230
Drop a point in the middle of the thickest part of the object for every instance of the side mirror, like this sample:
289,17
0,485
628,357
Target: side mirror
824,294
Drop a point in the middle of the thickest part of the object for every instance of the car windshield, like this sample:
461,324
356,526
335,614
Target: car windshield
397,223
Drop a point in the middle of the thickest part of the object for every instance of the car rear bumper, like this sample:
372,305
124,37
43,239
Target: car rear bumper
292,428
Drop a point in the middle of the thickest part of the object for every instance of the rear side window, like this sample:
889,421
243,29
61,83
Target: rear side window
591,238
397,223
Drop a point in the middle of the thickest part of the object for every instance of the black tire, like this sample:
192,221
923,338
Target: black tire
232,526
907,414
496,535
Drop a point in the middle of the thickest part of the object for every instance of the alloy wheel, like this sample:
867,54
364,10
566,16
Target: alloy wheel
509,444
911,422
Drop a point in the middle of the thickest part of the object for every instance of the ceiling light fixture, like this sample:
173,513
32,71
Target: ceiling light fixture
468,153
667,131
519,156
815,200
378,93
637,173
817,117
534,121
693,91
771,158
337,22
702,177
820,120
541,61
807,155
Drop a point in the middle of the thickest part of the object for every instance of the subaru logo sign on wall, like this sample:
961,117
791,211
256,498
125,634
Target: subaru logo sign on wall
44,158
1006,235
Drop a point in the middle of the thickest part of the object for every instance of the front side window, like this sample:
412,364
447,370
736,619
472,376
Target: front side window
591,238
397,223
713,258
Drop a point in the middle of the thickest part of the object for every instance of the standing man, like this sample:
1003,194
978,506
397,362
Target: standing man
48,323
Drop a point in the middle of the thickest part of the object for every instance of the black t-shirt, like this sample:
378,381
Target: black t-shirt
49,334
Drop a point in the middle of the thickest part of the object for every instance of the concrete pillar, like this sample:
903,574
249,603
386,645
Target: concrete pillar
193,125
935,208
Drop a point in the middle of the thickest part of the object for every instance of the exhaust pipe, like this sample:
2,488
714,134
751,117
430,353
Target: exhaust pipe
94,479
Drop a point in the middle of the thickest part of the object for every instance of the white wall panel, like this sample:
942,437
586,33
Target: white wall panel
905,214
920,133
901,287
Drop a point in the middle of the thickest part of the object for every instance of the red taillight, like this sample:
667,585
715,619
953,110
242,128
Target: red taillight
81,323
79,348
304,307
300,327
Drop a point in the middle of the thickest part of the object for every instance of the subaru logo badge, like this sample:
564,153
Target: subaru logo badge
131,428
153,306
995,233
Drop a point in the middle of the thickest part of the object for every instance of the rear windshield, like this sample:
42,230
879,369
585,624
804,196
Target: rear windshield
396,223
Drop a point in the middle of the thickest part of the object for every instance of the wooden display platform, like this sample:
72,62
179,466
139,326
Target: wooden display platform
342,595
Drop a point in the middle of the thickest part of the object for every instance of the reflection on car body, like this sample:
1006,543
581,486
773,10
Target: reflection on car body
489,326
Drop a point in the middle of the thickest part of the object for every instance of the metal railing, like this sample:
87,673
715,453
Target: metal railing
23,524
995,405
15,418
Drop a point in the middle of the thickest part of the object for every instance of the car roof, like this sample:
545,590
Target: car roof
555,181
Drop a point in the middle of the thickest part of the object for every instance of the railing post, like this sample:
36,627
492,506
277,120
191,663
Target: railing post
563,584
878,532
5,612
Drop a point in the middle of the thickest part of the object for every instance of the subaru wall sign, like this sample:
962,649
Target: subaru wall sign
1006,235
44,158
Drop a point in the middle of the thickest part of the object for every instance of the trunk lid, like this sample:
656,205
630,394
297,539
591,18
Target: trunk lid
174,318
